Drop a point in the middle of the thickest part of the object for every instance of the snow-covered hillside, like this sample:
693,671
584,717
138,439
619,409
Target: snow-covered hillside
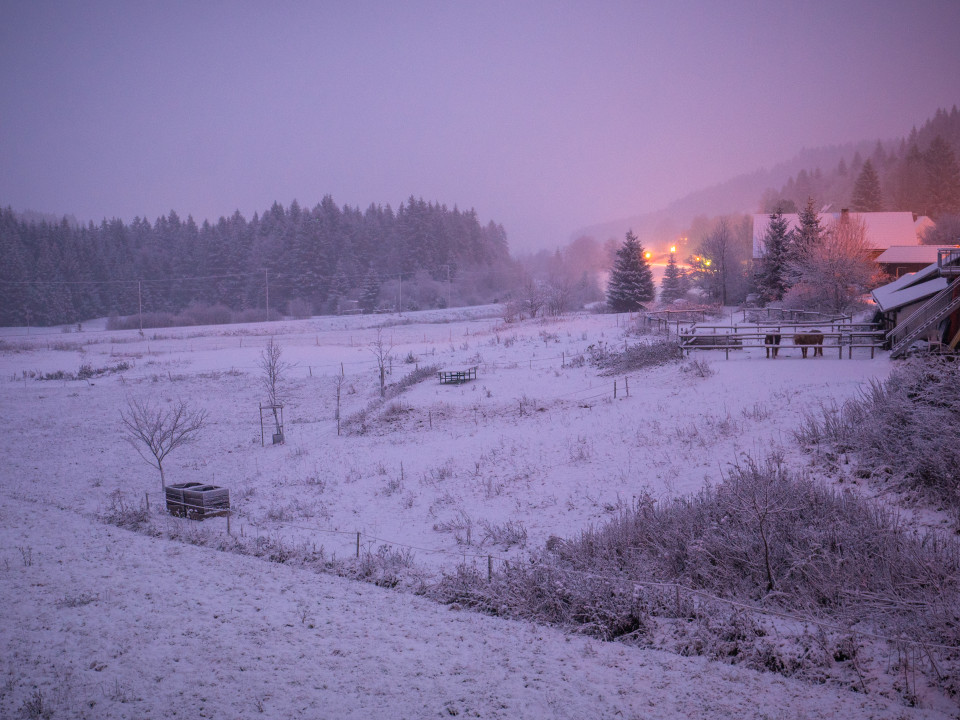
102,622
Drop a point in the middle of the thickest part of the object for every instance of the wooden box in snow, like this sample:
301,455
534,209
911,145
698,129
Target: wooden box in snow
197,501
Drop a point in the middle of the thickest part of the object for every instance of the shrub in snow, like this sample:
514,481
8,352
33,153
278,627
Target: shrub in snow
907,427
506,535
614,361
698,367
764,538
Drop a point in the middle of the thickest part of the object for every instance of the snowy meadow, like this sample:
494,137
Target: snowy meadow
319,598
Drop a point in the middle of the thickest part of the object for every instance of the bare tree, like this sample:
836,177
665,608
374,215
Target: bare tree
532,297
274,370
760,494
155,432
722,267
382,352
338,384
836,269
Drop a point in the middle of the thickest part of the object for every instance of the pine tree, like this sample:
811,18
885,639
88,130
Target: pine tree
867,196
370,292
771,276
943,179
808,235
672,288
910,182
631,282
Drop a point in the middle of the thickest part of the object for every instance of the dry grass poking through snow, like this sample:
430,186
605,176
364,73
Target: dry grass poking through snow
905,430
767,538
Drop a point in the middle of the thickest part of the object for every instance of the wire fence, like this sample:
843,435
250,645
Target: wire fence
358,539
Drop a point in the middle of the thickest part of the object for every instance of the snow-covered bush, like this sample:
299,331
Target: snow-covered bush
907,427
764,538
698,367
614,361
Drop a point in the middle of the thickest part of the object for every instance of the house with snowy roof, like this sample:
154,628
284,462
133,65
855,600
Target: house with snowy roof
923,305
899,260
884,230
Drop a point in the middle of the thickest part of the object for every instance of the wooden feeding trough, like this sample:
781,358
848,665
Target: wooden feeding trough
455,377
197,501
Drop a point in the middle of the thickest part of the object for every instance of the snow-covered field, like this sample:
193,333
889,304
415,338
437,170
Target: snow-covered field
101,622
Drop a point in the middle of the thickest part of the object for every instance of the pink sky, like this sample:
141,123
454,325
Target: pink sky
544,116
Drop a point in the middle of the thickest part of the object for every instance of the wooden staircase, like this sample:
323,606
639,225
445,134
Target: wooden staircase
926,317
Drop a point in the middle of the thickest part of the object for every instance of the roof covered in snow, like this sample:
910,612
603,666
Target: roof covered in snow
889,298
922,254
884,229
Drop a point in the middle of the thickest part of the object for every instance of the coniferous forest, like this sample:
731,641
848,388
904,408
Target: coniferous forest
919,173
323,260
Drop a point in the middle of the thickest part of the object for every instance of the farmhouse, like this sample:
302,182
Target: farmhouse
923,305
884,229
902,259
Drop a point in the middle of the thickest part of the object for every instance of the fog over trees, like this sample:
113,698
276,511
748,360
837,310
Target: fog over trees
328,259
304,260
919,173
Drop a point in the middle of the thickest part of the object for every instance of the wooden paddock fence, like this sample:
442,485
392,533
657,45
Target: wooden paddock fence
728,338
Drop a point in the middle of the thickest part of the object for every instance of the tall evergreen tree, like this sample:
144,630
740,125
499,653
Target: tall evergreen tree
867,196
370,292
771,276
808,235
673,286
910,182
943,179
631,282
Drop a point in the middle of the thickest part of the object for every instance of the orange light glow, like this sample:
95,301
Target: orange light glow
647,255
673,248
707,263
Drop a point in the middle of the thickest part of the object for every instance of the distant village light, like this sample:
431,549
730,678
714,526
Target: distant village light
673,248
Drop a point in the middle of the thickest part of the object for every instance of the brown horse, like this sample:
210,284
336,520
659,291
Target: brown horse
813,338
771,342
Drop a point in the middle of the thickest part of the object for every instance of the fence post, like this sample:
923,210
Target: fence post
228,523
147,496
489,568
626,382
358,545
614,389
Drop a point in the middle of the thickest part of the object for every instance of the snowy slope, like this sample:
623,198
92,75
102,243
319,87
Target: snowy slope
108,623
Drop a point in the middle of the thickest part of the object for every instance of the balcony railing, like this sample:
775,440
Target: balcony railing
948,259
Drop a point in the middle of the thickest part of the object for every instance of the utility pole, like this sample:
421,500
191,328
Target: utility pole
140,306
400,304
266,284
448,286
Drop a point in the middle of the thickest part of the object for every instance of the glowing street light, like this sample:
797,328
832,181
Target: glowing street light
673,249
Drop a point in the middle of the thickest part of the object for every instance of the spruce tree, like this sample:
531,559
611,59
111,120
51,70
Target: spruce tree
808,235
672,287
943,179
867,196
771,276
631,282
370,292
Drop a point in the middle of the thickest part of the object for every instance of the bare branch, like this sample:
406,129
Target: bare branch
274,373
382,351
154,432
